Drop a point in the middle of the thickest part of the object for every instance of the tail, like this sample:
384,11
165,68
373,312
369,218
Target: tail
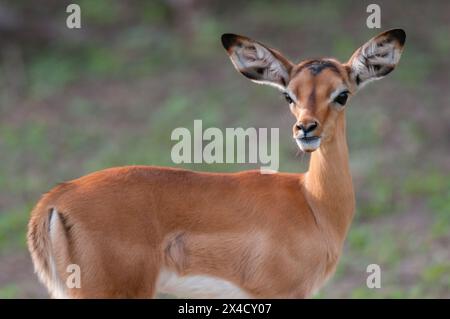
42,232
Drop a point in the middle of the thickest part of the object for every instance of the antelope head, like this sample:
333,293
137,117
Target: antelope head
318,90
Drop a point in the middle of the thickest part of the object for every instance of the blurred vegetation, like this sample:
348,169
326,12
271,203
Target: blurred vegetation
75,101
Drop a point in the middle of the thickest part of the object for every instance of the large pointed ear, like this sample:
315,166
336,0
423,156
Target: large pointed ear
256,61
377,57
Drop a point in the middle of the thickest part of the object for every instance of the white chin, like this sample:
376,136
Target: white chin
308,145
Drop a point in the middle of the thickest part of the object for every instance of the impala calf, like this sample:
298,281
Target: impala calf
138,230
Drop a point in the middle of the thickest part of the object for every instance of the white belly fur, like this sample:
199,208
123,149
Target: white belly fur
197,286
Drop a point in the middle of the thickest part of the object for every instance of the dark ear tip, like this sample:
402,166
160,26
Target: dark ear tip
399,34
228,39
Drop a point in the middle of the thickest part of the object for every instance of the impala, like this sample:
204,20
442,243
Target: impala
140,230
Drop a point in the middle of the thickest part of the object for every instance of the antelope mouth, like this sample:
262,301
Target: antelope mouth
308,143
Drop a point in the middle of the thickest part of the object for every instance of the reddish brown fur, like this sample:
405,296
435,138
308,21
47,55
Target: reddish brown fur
274,236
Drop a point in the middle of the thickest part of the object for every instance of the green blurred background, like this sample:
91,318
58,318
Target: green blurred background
76,101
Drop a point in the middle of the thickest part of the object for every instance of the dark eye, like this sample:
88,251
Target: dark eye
288,98
341,98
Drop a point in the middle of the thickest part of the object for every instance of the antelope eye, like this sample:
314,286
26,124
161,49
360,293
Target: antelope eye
341,98
288,98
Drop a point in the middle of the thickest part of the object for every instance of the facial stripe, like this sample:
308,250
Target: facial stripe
312,98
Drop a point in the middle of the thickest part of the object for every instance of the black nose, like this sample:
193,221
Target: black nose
308,127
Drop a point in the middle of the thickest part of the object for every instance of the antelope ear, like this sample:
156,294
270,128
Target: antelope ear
377,57
256,61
